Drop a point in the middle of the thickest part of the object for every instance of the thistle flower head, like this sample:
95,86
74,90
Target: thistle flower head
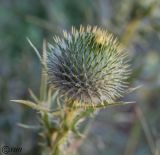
87,65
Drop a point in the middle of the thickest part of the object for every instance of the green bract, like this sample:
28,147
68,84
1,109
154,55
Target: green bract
88,66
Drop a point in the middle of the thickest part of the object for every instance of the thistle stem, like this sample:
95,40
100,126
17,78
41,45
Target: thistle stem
62,134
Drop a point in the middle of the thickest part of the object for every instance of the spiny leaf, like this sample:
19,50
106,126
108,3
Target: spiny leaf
31,105
33,96
35,49
75,131
28,126
53,99
133,89
102,105
37,53
79,118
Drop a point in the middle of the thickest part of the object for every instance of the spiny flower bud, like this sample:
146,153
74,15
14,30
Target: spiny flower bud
88,66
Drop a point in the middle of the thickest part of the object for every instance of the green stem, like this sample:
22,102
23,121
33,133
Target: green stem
62,134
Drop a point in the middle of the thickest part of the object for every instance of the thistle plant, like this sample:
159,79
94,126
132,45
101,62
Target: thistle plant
83,71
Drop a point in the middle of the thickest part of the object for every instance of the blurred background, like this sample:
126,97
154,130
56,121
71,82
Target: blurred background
128,130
